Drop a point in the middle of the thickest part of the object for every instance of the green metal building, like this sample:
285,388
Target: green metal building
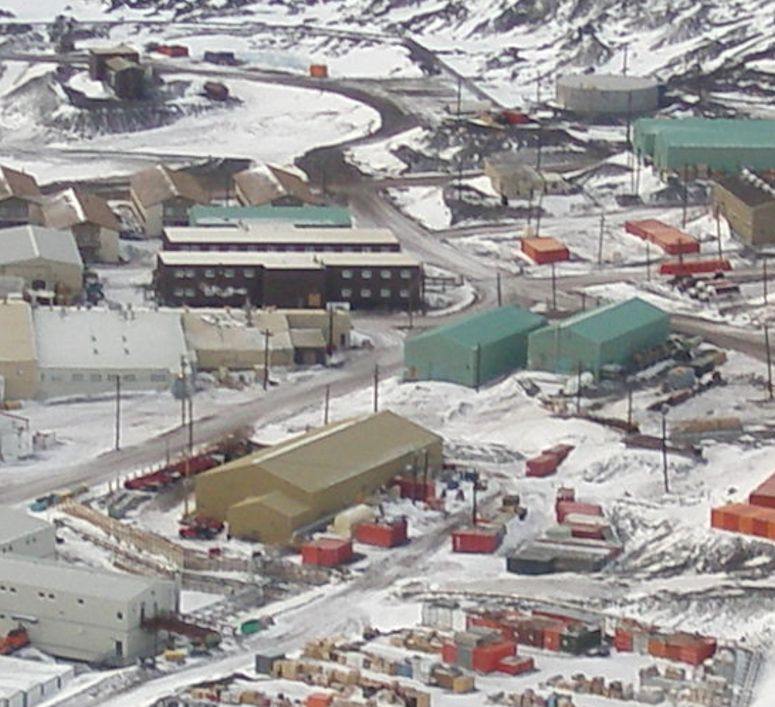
701,146
591,340
301,216
473,351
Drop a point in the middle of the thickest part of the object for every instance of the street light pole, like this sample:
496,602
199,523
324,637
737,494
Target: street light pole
664,448
266,334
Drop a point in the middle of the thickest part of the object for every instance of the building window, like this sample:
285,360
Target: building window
95,377
346,293
50,596
366,274
179,292
384,292
406,274
180,274
405,294
347,274
119,615
80,601
190,272
249,273
385,274
228,273
41,595
209,274
189,292
365,293
158,377
130,377
77,376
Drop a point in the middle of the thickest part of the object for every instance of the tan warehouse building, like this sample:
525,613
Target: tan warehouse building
271,494
18,352
747,202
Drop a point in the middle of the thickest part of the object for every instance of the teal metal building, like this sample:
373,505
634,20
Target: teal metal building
473,351
591,340
300,216
700,147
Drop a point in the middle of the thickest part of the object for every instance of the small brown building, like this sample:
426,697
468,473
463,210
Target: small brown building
269,185
747,202
126,78
161,197
99,58
90,220
387,281
19,196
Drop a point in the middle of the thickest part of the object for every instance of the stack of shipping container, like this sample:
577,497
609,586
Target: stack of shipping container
547,462
485,651
757,517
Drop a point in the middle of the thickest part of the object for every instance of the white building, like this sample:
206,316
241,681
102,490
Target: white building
22,534
26,683
82,613
15,437
81,351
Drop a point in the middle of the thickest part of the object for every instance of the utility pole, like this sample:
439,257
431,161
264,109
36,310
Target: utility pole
118,411
474,509
600,239
184,384
191,424
478,355
764,280
664,448
498,285
769,361
410,306
459,95
376,387
624,60
266,334
578,390
540,145
685,199
637,174
648,261
583,296
629,405
718,235
330,330
554,288
326,404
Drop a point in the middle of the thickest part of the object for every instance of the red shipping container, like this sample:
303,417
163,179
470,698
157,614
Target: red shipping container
544,249
763,497
563,508
624,641
515,665
692,267
383,534
542,465
591,532
514,117
552,637
485,659
319,699
449,653
416,489
476,540
326,552
172,50
657,647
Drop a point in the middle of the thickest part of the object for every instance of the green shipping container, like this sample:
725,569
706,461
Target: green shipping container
590,340
472,351
251,626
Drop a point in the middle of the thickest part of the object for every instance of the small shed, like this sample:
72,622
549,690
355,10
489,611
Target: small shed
545,249
126,78
100,56
473,351
590,340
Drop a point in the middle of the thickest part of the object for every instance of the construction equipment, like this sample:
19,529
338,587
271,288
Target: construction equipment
200,528
17,638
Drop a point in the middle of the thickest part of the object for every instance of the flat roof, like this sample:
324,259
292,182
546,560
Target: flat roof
607,82
201,215
546,244
307,261
280,233
15,524
18,675
86,581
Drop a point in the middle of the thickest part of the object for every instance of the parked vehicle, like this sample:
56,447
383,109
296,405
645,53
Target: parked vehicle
17,638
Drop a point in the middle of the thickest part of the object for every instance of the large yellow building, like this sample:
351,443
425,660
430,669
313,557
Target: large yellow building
271,494
18,352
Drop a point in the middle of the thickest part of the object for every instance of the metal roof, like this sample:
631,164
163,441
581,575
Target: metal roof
18,675
263,184
72,207
307,261
298,215
18,184
607,82
220,330
16,524
21,244
17,342
286,234
107,339
747,190
487,327
84,581
278,501
156,185
613,320
337,452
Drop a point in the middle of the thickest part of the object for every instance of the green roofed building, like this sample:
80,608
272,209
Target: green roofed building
700,147
608,335
299,216
474,350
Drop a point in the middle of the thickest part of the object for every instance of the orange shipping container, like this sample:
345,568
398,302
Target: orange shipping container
544,249
658,647
552,637
318,699
318,71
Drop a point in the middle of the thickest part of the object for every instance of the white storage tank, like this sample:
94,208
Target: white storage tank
347,519
607,94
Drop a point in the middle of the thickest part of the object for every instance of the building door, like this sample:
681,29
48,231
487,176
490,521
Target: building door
119,649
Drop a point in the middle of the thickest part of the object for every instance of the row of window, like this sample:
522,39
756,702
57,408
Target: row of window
272,248
99,377
346,293
249,273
